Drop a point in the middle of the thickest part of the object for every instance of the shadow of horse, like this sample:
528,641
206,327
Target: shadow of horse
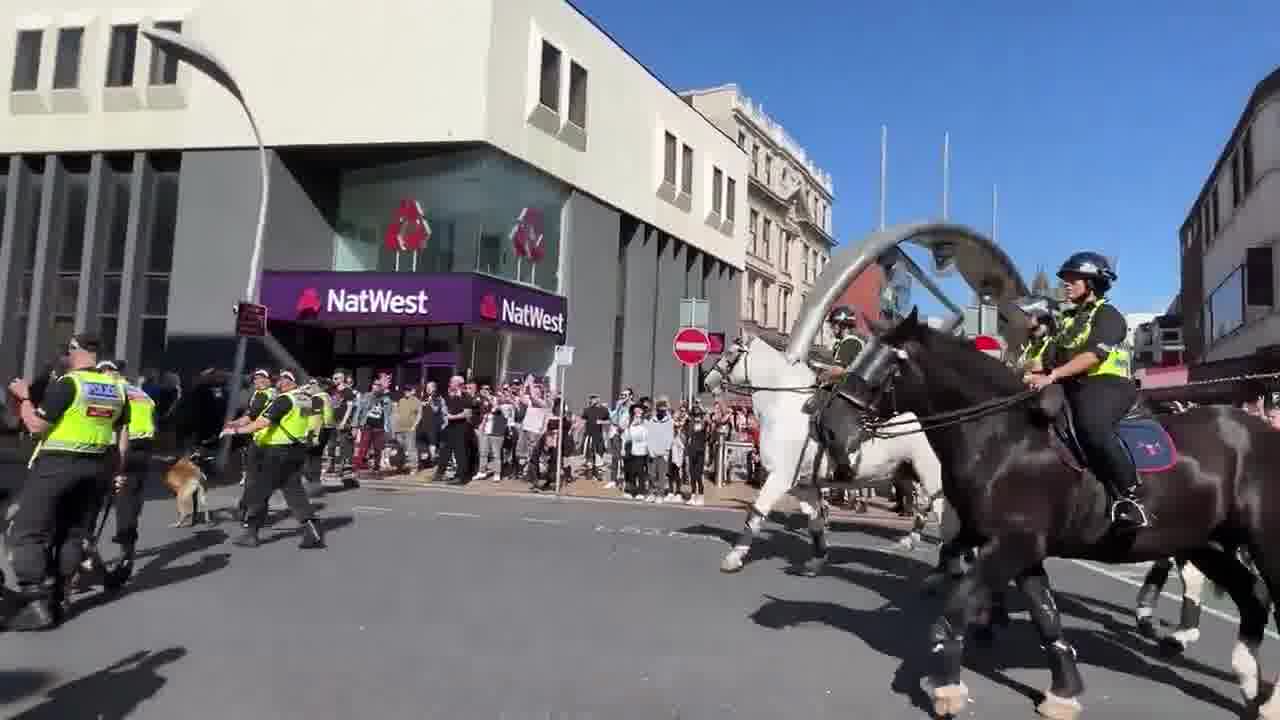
896,578
327,525
112,693
17,684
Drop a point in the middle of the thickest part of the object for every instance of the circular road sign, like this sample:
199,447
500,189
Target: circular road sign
989,345
691,346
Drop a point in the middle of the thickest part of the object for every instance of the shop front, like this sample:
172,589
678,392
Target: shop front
419,326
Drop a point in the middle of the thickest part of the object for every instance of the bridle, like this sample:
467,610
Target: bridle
725,366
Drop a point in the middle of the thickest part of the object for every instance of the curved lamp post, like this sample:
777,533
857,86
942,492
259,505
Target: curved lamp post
188,50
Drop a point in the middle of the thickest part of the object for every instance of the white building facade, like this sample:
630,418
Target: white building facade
789,200
535,150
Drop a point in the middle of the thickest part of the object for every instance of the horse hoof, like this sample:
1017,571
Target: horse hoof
1058,708
950,700
813,567
732,563
1171,646
1147,628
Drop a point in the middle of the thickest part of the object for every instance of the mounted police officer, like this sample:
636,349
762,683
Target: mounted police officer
844,323
1042,325
78,420
129,492
1088,357
280,434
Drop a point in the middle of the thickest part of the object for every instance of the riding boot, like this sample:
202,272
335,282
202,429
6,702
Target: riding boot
312,536
116,577
249,537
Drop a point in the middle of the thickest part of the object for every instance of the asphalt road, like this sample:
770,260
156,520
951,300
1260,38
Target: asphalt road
432,604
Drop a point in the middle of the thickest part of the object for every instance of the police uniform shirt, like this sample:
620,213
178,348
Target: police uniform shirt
278,409
848,349
1108,333
61,395
257,403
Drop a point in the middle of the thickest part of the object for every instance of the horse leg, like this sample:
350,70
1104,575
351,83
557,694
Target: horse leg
1001,560
1225,569
1149,596
951,557
1189,622
735,558
1062,699
816,510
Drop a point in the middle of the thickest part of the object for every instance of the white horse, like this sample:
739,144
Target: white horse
779,391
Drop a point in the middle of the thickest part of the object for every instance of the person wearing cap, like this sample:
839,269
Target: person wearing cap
251,460
844,323
78,421
280,433
1042,324
321,432
129,492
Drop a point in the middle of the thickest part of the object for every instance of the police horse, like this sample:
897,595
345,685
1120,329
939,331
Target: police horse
779,391
1012,472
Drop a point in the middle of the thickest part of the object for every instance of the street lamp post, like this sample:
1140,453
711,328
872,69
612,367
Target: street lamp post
191,52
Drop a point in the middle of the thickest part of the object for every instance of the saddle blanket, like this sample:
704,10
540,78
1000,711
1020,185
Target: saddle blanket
1148,443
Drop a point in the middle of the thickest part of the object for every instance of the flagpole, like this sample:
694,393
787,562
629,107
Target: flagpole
884,155
995,211
946,173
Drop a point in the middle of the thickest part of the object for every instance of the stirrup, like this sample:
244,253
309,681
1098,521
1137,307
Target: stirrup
1140,522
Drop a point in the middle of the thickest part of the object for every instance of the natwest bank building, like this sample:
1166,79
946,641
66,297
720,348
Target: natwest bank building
456,185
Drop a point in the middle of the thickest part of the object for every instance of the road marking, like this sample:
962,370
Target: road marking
370,508
1221,615
540,521
457,514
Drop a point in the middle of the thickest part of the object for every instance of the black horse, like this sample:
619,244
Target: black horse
1010,472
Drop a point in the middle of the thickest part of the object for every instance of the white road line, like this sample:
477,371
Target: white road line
457,514
540,521
370,508
1175,598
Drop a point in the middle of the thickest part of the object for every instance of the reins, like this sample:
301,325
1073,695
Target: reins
875,427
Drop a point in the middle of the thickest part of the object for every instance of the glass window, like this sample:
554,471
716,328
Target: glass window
119,228
156,301
1224,312
669,159
66,65
717,179
764,303
470,231
122,55
378,341
578,95
111,294
755,159
1246,160
164,67
344,342
751,298
26,66
73,230
742,139
768,169
64,302
753,219
549,82
766,237
686,170
153,342
164,222
730,197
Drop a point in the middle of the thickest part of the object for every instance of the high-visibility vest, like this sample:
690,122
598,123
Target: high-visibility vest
269,394
142,413
323,419
292,428
1075,330
1033,352
87,426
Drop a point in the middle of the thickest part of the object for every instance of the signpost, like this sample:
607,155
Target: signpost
692,343
564,358
251,320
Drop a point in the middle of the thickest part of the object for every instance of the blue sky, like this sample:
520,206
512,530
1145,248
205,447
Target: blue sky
1099,122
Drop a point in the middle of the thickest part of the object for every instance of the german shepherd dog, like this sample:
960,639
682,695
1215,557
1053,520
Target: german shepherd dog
187,481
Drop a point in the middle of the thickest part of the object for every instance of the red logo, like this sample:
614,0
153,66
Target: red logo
409,230
308,303
527,236
489,307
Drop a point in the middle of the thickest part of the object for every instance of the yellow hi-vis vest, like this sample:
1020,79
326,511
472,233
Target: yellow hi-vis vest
292,429
88,424
1075,330
269,394
323,419
142,413
1033,352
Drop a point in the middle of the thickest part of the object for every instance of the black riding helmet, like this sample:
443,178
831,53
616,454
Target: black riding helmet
843,315
1095,268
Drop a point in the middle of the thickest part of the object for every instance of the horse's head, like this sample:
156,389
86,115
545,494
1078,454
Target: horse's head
731,367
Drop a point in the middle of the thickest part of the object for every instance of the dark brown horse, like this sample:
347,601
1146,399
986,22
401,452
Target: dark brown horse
1022,496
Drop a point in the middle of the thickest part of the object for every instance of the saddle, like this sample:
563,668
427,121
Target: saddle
1146,440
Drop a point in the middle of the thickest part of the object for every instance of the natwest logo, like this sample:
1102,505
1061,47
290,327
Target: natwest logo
376,302
530,316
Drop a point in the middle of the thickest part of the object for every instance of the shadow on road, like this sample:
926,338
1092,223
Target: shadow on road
897,578
327,524
17,684
112,693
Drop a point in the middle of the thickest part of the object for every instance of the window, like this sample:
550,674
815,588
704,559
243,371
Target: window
765,237
121,55
669,160
686,170
753,220
1215,216
755,160
578,95
730,197
764,303
26,66
717,178
164,67
804,263
784,176
549,80
1237,190
751,298
66,66
742,139
783,302
1246,162
786,252
1224,311
768,168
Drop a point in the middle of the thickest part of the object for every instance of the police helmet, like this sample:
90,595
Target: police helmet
1095,268
843,315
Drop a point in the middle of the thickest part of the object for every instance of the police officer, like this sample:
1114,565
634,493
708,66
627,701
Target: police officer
77,420
129,493
1042,325
1088,357
844,322
280,433
319,435
251,460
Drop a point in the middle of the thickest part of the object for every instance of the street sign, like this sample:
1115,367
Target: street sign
564,355
691,346
989,345
251,320
717,343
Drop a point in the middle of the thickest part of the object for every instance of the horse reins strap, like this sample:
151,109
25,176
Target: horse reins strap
952,417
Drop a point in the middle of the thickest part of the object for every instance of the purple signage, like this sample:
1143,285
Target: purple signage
351,299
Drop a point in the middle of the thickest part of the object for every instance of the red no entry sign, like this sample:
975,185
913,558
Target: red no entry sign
691,346
989,345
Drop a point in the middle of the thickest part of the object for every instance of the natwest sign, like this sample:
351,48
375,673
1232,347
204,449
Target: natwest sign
359,299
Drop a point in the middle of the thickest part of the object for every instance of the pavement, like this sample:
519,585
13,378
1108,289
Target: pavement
452,605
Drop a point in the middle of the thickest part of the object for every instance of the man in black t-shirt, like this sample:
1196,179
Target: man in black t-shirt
342,443
595,418
458,411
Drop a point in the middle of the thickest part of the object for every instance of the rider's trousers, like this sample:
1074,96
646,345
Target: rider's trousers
1097,404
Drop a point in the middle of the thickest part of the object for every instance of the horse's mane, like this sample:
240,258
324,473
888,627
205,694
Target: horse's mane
960,354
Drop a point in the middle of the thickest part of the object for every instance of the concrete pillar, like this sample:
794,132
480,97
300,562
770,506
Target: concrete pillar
18,220
52,226
93,258
137,246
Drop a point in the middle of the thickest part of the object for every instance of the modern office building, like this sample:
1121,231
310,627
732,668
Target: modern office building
789,199
454,184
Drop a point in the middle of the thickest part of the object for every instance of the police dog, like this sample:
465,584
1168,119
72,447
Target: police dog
187,481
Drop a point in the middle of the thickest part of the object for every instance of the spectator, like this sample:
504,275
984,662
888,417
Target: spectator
372,422
619,418
676,472
458,410
659,435
405,417
342,445
695,453
595,418
636,451
493,433
432,424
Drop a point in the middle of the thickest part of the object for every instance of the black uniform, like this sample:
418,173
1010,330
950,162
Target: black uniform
251,454
1098,402
280,468
58,505
456,444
